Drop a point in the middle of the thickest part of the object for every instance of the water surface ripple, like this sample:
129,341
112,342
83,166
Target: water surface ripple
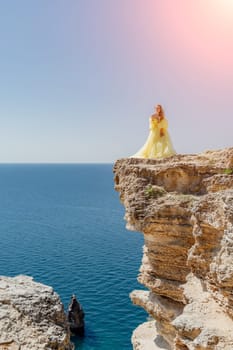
63,225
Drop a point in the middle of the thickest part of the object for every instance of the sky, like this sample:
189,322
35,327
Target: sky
80,78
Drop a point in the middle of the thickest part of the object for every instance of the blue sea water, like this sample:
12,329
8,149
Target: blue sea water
63,225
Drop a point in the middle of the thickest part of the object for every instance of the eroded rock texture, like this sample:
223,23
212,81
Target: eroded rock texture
76,317
184,207
31,316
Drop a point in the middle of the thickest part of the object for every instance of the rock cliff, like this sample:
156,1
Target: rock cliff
184,207
31,316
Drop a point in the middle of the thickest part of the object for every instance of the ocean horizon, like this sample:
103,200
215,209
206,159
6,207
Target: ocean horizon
62,224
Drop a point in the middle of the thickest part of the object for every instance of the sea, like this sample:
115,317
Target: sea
64,225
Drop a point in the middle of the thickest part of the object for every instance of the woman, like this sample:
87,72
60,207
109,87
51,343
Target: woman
158,143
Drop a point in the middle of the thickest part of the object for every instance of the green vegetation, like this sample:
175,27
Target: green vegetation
153,191
228,171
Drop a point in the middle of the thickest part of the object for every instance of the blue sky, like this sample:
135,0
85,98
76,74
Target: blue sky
79,79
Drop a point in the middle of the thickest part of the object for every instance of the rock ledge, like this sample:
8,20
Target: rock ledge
31,316
184,207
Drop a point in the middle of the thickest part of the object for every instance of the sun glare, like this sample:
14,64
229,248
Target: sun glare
223,6
221,12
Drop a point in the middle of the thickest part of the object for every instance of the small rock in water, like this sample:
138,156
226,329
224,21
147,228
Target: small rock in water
76,317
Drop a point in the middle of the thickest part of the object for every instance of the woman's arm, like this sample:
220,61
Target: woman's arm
153,122
161,132
163,128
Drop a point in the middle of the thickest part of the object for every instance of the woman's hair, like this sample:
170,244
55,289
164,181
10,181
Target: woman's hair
161,113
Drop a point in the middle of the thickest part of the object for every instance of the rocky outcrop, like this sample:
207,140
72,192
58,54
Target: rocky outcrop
31,316
184,207
76,317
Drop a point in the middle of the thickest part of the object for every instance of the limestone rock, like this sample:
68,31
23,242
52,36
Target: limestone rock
184,207
31,316
145,337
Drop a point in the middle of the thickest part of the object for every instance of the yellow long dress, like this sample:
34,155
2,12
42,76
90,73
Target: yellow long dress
156,146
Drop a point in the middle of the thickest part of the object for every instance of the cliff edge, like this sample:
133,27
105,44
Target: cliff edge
184,207
32,316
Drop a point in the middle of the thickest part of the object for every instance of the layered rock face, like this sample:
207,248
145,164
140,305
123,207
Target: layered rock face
31,316
184,207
